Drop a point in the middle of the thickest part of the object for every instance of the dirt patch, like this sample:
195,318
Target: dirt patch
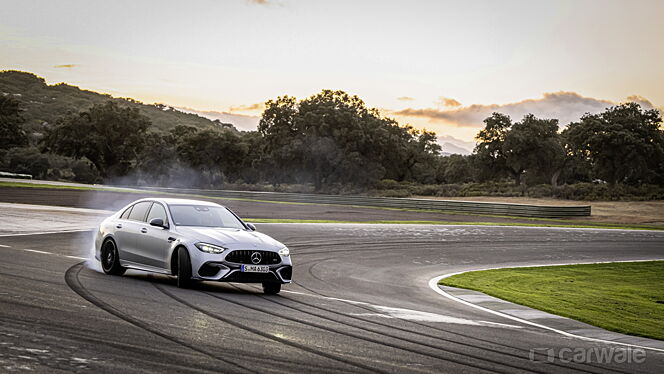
618,212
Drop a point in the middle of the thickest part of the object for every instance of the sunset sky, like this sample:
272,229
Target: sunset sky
443,65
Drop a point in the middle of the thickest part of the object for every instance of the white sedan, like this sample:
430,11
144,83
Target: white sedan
194,240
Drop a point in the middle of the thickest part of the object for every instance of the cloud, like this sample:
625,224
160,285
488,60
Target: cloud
247,108
565,106
405,98
448,102
65,66
640,100
240,121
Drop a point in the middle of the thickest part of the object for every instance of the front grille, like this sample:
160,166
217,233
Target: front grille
244,257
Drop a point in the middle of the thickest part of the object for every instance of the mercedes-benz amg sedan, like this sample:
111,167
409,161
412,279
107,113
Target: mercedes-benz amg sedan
193,240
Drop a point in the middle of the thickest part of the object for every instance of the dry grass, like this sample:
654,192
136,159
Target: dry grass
617,212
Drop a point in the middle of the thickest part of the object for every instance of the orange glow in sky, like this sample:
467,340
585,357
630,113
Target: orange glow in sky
434,64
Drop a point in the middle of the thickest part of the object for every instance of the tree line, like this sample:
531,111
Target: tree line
333,142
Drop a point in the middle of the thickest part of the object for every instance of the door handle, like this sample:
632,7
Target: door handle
144,230
119,226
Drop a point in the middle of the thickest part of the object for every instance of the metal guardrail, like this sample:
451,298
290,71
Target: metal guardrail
502,209
6,174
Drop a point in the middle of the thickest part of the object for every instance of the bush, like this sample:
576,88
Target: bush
85,172
71,169
594,191
540,190
578,191
391,193
425,190
387,184
27,160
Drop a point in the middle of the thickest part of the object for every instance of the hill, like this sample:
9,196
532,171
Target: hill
42,103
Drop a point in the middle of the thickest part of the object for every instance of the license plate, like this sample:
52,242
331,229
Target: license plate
255,269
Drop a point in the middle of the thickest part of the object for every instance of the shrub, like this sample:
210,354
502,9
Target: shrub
27,160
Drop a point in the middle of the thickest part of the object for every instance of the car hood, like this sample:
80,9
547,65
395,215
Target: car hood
230,238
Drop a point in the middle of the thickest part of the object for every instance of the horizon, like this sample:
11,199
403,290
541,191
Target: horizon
426,72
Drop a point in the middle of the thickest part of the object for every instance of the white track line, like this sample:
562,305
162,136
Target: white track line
45,252
409,314
433,284
76,257
36,251
47,232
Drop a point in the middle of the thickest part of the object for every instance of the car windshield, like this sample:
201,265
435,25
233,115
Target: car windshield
205,216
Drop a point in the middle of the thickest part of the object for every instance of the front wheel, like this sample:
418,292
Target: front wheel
184,268
271,288
110,259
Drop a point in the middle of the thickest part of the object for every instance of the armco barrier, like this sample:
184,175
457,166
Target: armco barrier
503,209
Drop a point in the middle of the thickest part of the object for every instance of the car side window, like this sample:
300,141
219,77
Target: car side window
157,211
125,214
139,211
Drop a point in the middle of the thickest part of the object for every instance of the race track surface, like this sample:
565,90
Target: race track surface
360,303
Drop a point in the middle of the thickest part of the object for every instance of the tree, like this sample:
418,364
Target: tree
422,153
624,144
455,169
218,154
158,157
489,148
110,136
534,145
280,138
333,138
11,124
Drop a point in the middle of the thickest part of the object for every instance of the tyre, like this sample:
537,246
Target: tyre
271,288
110,259
184,268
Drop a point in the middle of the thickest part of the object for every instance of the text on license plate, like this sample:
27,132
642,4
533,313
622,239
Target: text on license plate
255,269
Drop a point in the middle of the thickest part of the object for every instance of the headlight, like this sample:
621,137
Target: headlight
210,248
284,252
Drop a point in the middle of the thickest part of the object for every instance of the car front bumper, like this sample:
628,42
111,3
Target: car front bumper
222,271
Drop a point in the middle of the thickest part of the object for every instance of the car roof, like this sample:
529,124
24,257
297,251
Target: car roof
171,201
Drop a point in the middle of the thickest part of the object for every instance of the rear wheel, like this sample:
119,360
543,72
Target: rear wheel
184,268
271,288
110,260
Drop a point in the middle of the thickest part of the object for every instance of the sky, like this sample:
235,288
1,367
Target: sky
440,65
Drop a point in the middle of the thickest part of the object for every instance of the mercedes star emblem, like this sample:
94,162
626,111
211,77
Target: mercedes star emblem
255,258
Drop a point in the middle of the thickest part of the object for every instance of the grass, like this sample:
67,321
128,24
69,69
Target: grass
625,297
65,187
537,222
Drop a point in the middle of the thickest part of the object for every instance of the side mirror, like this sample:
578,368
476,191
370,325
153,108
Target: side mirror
158,222
251,226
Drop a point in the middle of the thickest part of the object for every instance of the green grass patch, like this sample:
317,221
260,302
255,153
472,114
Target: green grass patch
536,222
67,187
625,297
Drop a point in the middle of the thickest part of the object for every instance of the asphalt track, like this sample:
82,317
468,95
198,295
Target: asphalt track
360,303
